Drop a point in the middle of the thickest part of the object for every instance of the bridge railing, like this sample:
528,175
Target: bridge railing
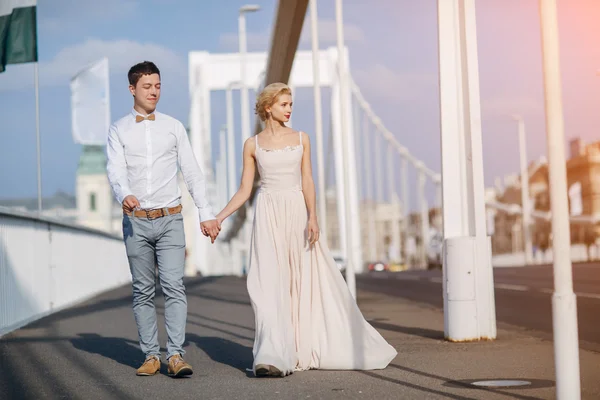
47,265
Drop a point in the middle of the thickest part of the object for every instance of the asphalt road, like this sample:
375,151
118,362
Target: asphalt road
91,351
523,295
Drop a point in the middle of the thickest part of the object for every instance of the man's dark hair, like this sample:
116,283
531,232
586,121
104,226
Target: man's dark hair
141,69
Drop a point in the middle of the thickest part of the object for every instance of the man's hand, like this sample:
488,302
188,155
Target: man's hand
130,203
211,228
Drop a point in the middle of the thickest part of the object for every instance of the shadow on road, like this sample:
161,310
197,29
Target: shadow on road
208,296
224,351
421,332
116,298
123,351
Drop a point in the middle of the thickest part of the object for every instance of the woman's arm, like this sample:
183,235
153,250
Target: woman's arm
310,195
243,193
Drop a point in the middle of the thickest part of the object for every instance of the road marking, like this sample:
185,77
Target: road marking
380,276
584,295
504,286
588,295
407,277
507,286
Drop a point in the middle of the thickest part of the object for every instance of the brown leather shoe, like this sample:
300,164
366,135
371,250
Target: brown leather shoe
150,367
178,367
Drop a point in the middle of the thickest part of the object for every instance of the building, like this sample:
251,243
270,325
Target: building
507,228
385,215
583,181
96,205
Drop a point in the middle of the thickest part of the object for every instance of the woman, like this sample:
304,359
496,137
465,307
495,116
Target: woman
305,316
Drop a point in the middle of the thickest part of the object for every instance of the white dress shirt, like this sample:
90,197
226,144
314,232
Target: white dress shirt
143,159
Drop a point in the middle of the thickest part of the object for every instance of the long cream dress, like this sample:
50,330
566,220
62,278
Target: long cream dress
305,316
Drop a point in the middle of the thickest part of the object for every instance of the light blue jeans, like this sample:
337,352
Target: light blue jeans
152,242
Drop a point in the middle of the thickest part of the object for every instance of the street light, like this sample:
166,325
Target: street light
322,205
525,201
344,92
564,301
243,47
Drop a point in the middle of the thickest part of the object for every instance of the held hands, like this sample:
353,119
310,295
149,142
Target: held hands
130,203
312,231
211,229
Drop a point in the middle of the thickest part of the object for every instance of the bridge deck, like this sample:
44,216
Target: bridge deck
90,352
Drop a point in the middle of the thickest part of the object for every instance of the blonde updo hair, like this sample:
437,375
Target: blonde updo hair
268,97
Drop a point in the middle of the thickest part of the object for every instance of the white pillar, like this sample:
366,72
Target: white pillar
379,199
377,142
354,262
525,202
244,85
438,193
405,208
198,250
469,310
564,302
424,211
231,171
395,217
321,198
438,200
223,167
368,174
339,165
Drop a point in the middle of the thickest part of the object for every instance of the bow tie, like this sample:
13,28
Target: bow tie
139,118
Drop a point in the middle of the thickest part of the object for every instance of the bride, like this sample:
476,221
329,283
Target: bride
305,316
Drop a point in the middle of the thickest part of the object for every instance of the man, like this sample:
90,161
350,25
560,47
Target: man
144,150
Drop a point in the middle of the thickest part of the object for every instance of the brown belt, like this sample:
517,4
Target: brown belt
156,213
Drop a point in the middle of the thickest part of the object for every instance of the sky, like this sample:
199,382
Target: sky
393,58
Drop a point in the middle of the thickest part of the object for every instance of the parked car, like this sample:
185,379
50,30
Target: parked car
378,266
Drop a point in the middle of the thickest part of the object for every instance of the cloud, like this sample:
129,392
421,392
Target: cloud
122,54
65,15
327,36
256,41
328,33
381,81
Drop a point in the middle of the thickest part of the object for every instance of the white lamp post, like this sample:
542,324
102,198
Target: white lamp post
243,48
564,301
525,202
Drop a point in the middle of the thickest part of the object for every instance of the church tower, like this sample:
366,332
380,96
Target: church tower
94,197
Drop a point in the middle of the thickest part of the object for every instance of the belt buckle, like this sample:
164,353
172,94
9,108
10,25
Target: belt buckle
147,213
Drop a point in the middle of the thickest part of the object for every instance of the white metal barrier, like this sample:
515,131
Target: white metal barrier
46,265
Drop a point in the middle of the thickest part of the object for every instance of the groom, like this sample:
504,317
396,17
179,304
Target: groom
144,150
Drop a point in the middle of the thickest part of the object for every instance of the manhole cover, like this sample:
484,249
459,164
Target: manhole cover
501,383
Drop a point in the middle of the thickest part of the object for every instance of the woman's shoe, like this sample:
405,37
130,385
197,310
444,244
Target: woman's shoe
264,370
